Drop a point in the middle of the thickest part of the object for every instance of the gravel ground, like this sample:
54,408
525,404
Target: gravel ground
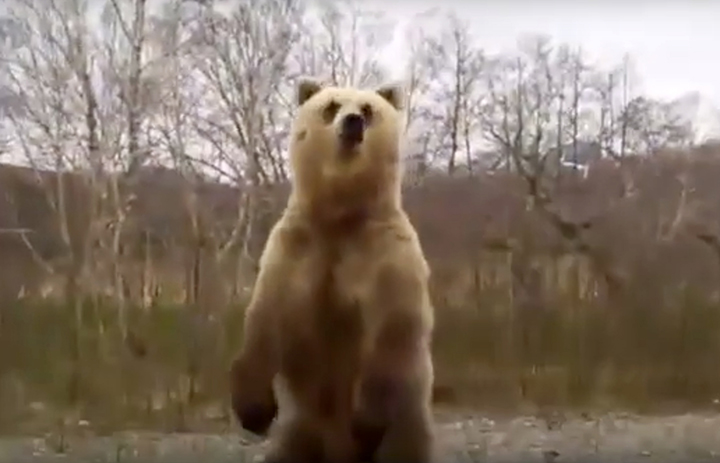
550,438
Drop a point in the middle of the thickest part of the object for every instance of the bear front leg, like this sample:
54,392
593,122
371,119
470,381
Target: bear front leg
254,405
251,376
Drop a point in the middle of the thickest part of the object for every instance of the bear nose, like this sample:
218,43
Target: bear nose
352,128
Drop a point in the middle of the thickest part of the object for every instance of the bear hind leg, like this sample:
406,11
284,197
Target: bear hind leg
306,441
295,442
394,423
408,438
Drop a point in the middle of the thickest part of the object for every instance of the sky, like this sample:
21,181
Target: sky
675,45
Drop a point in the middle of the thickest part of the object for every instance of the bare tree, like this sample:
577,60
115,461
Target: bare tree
450,92
532,112
517,115
418,80
242,58
631,124
624,73
651,125
341,42
580,113
542,103
57,124
57,127
232,117
124,46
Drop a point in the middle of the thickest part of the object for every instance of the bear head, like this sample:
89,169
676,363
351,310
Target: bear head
345,150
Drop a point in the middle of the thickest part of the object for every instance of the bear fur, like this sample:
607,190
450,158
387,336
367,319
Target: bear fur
339,326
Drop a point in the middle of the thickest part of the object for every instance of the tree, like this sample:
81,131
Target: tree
242,63
340,41
56,124
445,96
226,115
652,125
517,114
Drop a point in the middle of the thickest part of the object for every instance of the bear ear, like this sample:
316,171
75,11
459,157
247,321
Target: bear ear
306,89
393,94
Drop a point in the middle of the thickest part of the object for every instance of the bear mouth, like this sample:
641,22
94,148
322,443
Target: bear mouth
349,148
351,140
352,132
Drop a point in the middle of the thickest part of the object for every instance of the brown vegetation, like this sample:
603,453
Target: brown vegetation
627,317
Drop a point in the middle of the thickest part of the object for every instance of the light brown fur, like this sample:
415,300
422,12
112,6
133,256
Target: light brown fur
341,310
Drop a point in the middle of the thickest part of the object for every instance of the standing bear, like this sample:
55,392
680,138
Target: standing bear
340,322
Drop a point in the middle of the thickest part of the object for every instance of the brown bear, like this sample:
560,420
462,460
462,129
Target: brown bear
340,322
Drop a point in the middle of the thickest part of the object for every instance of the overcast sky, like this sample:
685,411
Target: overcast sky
675,44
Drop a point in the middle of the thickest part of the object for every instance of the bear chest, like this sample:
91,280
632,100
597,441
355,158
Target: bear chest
334,281
337,276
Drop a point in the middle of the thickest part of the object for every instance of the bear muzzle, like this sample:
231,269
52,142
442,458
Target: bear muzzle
352,131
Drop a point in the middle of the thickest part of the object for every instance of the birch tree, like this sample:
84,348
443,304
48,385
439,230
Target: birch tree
446,71
341,42
56,126
228,114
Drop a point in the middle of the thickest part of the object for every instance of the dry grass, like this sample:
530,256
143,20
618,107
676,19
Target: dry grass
170,374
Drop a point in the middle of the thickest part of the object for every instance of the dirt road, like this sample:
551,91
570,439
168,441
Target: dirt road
550,438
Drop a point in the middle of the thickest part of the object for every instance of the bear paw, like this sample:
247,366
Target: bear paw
367,438
255,418
253,400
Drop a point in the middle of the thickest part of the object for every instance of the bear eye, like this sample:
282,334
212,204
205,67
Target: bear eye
330,111
367,113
